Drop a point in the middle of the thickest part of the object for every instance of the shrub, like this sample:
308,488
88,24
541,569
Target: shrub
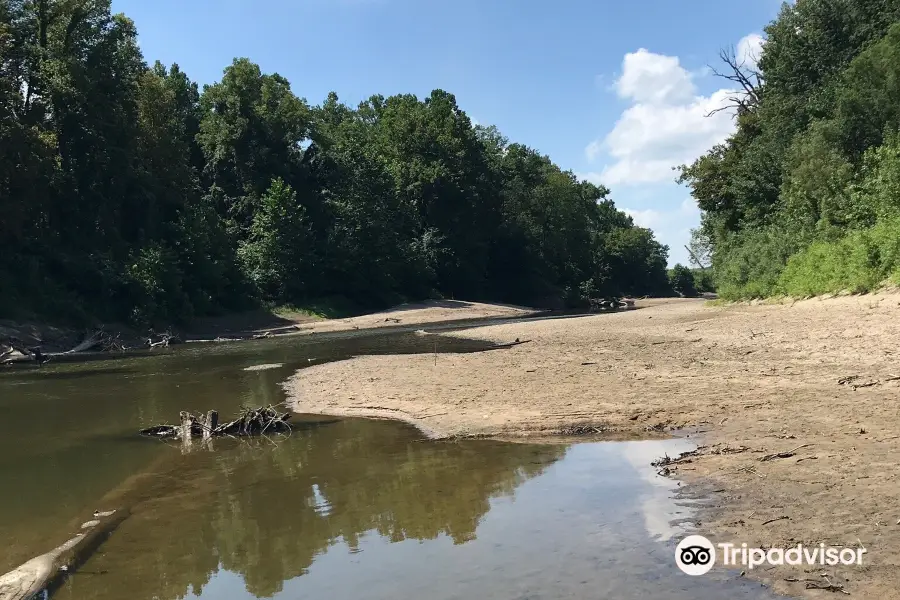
681,279
749,264
858,262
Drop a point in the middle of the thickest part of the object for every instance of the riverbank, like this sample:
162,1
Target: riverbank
247,326
817,378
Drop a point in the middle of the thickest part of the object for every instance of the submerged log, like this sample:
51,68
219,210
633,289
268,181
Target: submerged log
46,571
256,421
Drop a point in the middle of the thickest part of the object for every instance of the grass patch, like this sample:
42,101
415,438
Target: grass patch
335,307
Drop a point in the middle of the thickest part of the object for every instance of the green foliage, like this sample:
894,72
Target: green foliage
127,193
155,283
876,193
681,279
858,262
804,197
704,281
815,190
276,256
749,264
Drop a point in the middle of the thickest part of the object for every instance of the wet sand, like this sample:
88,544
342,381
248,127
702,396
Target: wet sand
817,377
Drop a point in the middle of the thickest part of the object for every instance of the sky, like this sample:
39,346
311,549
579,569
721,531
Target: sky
616,92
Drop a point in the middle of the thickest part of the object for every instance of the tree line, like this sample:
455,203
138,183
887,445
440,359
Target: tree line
804,198
128,192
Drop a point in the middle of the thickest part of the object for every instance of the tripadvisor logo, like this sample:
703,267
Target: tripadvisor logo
696,555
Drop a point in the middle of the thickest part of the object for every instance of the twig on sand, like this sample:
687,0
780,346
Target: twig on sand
849,380
509,344
781,518
787,454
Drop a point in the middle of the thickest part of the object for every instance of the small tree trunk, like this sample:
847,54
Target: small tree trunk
185,431
212,421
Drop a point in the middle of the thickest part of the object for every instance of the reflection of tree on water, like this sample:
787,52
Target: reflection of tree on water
267,512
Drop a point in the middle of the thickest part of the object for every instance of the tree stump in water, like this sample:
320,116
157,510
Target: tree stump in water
256,421
212,421
187,422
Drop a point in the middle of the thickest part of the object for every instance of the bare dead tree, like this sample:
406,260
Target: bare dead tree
695,259
741,70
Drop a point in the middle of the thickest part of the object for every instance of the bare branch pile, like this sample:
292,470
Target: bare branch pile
252,421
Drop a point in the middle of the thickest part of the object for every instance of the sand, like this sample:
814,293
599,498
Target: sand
432,311
816,377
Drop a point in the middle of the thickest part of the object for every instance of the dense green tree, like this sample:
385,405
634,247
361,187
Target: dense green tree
127,193
812,161
682,281
251,132
277,254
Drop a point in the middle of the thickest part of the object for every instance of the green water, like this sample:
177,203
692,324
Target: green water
340,509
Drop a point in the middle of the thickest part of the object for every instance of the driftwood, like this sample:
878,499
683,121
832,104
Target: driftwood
255,421
162,340
45,572
509,344
607,304
13,350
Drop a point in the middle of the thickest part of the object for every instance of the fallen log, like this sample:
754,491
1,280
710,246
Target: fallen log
45,572
99,343
256,421
610,304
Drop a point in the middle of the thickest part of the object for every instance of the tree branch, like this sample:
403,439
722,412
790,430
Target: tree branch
747,77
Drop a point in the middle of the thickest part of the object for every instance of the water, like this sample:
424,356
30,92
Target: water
341,509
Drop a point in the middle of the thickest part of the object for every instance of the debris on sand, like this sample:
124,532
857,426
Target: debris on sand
264,367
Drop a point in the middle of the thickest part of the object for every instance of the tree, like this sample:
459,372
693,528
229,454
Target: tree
128,194
681,279
251,132
277,255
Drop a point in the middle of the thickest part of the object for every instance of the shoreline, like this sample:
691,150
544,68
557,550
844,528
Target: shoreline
815,378
57,343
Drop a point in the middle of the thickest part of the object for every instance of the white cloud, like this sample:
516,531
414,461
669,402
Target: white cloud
654,79
649,140
592,177
592,150
667,123
689,207
671,226
648,218
749,49
664,125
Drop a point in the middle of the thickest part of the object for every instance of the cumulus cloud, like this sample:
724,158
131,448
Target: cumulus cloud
654,79
666,124
749,49
671,226
673,220
591,177
647,218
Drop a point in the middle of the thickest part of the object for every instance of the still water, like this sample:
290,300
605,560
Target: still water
340,509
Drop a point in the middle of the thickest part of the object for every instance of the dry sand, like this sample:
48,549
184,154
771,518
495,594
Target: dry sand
819,377
432,311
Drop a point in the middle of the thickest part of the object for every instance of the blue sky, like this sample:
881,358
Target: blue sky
613,90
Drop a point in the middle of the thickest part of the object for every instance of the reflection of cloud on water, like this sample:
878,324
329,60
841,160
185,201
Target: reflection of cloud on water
657,503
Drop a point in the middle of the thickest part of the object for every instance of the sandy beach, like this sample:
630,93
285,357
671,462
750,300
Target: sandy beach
814,380
431,311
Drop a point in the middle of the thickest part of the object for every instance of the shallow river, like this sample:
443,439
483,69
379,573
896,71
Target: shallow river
340,509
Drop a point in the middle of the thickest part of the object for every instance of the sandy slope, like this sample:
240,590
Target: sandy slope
432,311
756,379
